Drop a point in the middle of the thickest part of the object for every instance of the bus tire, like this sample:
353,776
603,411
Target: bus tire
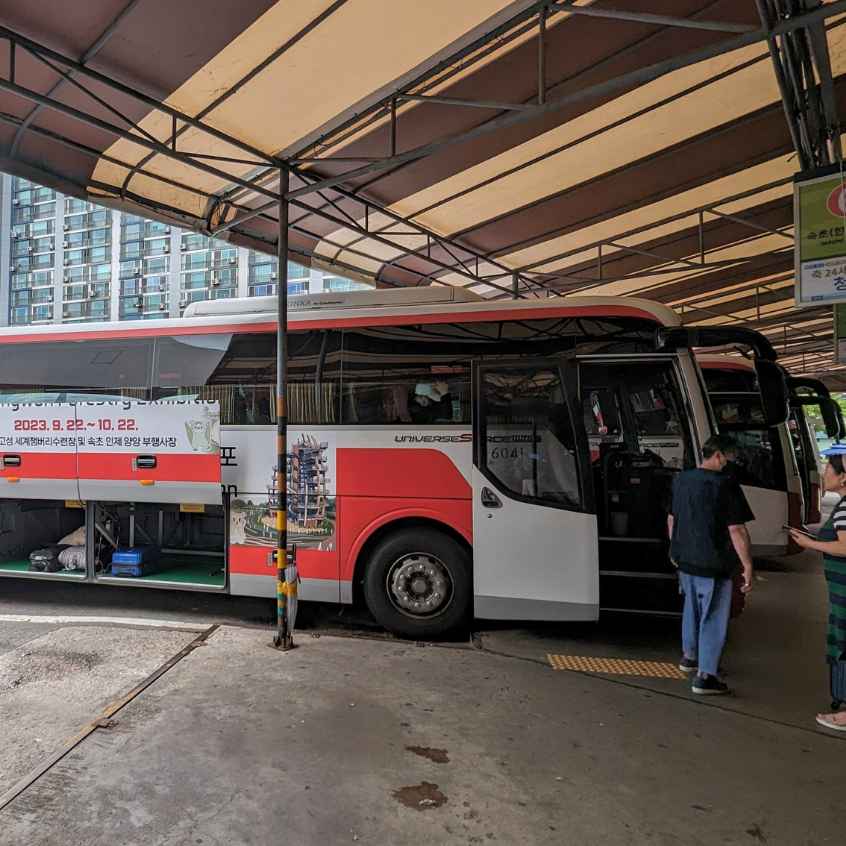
418,584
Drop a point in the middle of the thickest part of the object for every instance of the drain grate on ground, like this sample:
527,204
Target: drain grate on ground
616,666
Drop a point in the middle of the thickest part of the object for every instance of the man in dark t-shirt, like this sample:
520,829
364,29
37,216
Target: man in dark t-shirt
710,544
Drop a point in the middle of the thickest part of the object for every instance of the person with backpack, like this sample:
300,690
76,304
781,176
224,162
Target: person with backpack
709,544
831,542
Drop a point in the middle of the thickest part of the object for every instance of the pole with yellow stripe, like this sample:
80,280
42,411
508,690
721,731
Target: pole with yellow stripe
283,638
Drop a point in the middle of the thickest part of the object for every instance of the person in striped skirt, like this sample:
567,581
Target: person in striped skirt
831,542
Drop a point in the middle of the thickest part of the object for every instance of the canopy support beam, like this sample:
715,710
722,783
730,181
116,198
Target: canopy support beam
658,20
641,76
457,101
800,57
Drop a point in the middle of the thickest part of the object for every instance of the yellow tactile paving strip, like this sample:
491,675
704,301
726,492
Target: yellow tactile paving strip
616,666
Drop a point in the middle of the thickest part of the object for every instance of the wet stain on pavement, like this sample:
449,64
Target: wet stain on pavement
439,756
420,797
756,833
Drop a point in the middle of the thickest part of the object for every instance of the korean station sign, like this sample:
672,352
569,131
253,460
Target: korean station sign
820,218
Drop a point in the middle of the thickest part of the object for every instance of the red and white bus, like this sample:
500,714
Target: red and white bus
448,455
777,466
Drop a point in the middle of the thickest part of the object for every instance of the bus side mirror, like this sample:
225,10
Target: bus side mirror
775,396
831,416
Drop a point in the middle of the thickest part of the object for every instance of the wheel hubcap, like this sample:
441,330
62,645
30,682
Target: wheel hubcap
419,585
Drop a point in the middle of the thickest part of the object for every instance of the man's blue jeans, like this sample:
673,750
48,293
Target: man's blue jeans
707,606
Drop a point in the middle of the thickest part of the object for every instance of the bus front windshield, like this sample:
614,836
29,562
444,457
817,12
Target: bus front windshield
760,459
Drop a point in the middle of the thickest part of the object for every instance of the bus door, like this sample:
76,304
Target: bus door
534,536
159,452
638,423
38,451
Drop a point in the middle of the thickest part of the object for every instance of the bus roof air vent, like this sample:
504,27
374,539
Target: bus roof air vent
381,297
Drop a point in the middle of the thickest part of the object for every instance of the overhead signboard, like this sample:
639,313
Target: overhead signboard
820,220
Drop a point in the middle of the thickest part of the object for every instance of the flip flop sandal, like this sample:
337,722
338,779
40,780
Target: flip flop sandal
831,721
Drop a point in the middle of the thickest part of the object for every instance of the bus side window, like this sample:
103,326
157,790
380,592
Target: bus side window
657,412
760,459
48,369
530,447
239,372
395,377
314,377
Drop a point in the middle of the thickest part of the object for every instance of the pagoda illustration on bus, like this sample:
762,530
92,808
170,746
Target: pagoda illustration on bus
311,509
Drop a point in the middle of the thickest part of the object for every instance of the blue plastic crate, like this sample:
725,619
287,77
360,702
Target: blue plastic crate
145,568
135,555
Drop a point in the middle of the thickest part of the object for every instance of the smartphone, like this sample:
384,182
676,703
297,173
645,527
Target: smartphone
802,530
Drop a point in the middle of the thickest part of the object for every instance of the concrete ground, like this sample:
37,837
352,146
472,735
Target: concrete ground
356,739
53,679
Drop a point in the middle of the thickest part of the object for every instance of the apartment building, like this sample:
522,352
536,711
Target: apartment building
64,260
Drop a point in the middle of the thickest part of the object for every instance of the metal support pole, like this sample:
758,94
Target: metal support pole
542,56
284,638
787,95
515,285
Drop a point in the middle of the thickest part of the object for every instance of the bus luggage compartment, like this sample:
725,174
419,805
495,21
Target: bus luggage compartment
35,533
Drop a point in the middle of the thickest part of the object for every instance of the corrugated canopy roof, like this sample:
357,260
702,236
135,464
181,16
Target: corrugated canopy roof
512,147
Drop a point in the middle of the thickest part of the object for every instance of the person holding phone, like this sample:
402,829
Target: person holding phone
831,542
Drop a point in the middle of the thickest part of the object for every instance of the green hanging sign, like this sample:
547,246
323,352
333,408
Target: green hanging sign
820,221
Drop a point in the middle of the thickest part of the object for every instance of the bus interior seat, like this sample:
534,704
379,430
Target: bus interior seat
635,492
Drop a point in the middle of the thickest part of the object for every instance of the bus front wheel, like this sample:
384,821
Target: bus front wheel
417,583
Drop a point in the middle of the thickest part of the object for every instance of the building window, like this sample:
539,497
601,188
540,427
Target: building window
157,246
155,265
193,241
339,284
